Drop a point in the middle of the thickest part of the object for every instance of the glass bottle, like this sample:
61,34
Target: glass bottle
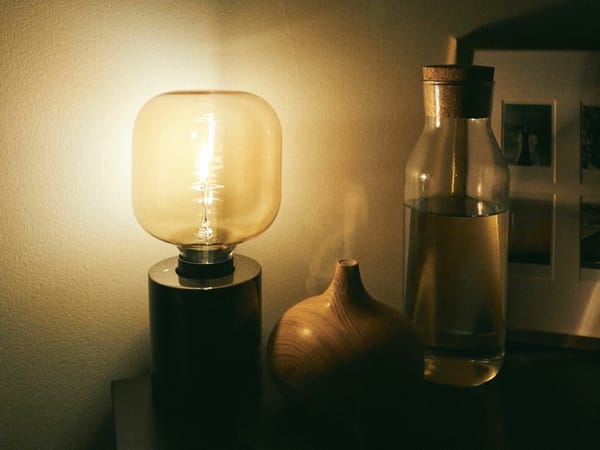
456,197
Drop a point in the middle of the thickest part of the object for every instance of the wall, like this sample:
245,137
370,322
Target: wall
344,79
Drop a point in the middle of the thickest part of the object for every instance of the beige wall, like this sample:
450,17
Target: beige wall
344,79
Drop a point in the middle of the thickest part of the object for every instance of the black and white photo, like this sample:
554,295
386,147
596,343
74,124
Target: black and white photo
527,134
590,137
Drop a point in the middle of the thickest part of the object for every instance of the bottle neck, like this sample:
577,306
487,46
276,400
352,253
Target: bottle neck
457,100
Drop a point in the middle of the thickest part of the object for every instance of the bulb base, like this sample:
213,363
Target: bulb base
205,339
191,270
209,254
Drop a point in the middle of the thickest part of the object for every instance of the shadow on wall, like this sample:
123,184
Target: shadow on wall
572,25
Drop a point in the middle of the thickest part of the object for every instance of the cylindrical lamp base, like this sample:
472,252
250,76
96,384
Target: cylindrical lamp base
205,336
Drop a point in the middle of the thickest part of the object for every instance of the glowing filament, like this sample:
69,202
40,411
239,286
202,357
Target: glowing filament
205,180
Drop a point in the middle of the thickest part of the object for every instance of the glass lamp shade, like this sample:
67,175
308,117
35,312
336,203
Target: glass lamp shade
206,170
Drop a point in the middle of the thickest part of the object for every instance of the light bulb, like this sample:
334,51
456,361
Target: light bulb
206,171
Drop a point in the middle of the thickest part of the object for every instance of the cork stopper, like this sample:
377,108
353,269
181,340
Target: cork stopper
458,91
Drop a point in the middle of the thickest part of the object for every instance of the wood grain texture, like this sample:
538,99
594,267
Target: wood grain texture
343,348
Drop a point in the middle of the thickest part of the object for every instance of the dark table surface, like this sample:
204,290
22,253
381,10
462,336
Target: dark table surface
543,398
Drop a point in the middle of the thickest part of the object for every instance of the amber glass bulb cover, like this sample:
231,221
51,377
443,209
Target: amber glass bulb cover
206,170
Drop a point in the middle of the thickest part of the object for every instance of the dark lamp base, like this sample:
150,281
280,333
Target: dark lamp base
205,336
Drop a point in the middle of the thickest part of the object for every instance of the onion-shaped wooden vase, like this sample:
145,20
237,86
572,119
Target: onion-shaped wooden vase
343,348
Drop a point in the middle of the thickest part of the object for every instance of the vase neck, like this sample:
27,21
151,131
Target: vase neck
346,282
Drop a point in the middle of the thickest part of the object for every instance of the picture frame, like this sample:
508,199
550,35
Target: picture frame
546,117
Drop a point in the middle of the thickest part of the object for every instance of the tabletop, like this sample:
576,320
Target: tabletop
543,398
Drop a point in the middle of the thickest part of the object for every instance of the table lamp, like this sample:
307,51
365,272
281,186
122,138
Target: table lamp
206,176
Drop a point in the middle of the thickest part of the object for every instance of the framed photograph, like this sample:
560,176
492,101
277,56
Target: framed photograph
589,254
531,231
590,137
527,133
546,117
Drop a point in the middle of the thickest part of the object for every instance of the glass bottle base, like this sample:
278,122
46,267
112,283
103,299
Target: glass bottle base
461,370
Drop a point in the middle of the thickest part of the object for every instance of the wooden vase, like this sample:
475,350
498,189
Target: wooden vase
343,348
